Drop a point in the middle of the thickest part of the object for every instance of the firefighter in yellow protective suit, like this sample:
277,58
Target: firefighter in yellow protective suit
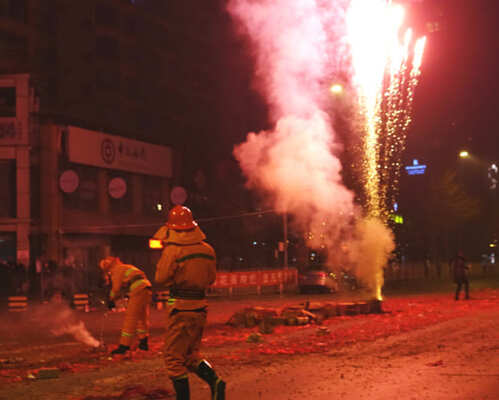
187,267
133,280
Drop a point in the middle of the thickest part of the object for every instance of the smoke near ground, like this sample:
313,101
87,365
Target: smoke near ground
58,320
369,252
295,166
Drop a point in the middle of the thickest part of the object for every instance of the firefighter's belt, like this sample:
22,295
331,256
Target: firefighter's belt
187,294
196,310
134,282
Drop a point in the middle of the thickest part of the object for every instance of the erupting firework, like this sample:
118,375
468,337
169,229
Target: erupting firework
296,164
385,73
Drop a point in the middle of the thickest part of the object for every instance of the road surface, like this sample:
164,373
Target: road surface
425,346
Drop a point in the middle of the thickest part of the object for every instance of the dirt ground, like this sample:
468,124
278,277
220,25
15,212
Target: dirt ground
424,346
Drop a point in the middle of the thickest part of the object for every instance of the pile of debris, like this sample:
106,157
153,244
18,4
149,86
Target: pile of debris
267,318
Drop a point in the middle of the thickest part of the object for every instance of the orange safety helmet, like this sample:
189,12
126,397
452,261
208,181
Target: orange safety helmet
106,263
180,219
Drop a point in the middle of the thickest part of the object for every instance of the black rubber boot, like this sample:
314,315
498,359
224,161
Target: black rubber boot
121,349
181,386
143,345
207,374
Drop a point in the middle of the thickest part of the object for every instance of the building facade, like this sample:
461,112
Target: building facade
72,195
81,81
16,101
99,194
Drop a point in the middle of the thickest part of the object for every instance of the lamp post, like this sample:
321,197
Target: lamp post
492,183
336,89
492,175
464,154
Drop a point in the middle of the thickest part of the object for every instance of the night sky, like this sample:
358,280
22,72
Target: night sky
456,104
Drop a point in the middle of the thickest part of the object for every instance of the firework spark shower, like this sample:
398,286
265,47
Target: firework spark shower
296,164
381,60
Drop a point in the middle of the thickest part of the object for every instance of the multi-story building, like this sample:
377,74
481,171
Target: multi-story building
145,72
74,195
95,98
16,99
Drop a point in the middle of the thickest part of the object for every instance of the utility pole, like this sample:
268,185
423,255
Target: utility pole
285,228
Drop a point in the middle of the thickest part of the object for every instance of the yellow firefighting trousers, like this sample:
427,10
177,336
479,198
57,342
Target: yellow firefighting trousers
184,331
136,316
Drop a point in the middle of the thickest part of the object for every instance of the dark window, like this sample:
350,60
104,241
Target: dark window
35,190
108,78
13,9
132,87
8,247
12,46
106,47
17,9
8,181
105,15
154,203
130,25
85,197
7,101
132,55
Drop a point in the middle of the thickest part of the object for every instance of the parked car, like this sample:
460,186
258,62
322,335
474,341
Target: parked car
316,277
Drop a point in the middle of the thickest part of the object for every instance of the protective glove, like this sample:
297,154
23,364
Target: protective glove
111,304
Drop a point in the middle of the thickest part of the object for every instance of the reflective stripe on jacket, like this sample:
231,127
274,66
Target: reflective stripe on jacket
126,276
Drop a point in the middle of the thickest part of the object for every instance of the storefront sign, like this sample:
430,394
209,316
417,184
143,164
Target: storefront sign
416,168
117,188
69,181
178,195
115,152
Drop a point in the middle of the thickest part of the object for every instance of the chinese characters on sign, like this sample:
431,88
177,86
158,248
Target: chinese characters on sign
255,278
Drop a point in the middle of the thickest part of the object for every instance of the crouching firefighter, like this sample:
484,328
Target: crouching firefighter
132,280
187,267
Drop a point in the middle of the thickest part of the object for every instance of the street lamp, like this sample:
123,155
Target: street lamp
464,154
336,89
492,174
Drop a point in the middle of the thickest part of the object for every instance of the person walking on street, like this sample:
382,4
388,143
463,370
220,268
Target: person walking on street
427,266
485,263
133,280
460,271
187,267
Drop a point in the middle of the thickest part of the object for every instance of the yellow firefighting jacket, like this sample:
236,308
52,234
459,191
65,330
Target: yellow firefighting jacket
126,276
186,264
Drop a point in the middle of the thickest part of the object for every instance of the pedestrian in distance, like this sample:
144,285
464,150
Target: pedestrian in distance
485,263
427,266
460,271
130,279
187,267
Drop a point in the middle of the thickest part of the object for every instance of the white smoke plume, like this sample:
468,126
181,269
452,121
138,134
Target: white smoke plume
67,324
59,319
369,252
296,165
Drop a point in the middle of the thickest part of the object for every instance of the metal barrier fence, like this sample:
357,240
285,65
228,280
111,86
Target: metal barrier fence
80,302
17,303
